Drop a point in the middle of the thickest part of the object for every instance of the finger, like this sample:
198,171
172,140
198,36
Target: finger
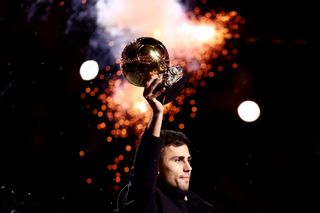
149,79
154,94
153,97
154,84
151,85
159,92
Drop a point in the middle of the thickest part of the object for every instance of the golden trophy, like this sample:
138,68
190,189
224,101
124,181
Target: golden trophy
146,55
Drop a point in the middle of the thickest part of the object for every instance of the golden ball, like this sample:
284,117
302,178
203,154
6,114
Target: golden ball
141,57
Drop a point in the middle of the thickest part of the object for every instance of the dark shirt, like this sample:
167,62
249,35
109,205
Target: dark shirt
177,196
144,193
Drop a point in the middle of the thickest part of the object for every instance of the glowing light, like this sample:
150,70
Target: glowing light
118,179
154,54
109,139
141,106
249,111
89,180
157,33
126,169
89,70
199,33
181,126
109,167
114,167
81,153
128,148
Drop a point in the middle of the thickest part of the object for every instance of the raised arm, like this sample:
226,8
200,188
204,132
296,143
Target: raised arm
143,178
150,94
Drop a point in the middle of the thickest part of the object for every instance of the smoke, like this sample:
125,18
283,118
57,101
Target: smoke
188,37
78,18
124,20
40,9
111,24
79,15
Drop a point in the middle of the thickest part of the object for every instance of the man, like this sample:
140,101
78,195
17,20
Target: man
160,176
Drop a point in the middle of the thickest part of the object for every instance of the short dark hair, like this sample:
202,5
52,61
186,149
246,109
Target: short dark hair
172,137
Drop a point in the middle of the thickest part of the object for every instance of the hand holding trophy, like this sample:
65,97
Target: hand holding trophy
145,56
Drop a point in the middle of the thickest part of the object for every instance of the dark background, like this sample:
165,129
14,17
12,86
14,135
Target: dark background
270,165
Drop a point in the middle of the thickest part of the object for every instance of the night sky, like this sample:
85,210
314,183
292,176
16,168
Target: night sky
270,165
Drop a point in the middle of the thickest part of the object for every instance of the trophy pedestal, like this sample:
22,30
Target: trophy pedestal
173,91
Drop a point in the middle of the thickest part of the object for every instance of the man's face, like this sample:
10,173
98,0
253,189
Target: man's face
174,166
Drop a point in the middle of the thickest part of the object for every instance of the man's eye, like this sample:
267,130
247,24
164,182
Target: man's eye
177,160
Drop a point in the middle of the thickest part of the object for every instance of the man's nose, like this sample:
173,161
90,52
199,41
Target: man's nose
187,167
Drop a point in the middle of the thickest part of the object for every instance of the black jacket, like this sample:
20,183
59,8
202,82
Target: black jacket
144,194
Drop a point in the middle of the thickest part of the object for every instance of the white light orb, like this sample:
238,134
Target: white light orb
249,111
89,70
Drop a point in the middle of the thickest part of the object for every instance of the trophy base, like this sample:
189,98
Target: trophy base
173,91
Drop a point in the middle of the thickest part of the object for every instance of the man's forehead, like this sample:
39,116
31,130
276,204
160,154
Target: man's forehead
177,150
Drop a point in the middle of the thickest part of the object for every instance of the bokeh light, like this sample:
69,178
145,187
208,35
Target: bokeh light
249,111
89,70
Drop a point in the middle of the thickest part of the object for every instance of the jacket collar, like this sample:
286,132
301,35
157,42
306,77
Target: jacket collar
172,192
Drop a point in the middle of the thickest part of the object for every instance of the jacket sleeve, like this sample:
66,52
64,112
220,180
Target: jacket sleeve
143,177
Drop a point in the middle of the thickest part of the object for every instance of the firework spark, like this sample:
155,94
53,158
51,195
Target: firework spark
196,40
193,39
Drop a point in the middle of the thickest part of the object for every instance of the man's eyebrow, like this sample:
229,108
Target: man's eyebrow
181,157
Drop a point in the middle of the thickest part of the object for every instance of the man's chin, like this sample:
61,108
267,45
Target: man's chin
184,187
